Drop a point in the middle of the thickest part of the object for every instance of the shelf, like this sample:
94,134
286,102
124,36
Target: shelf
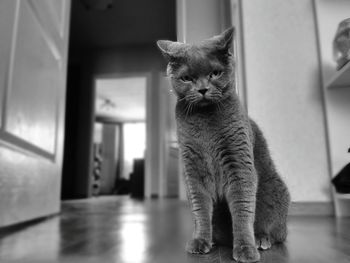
342,196
341,79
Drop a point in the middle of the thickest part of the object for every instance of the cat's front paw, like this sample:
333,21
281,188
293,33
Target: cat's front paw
198,246
246,253
263,243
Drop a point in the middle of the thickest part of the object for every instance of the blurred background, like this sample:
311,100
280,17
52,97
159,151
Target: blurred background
120,110
91,112
87,112
114,61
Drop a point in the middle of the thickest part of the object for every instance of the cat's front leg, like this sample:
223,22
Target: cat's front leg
241,198
202,209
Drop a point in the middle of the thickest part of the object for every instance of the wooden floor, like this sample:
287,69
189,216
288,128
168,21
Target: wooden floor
118,230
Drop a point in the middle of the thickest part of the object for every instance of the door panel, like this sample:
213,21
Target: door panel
51,13
33,59
6,29
30,117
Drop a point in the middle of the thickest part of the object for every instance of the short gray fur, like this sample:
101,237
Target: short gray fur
236,195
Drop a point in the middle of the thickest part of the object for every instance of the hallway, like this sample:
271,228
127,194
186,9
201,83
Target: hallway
119,229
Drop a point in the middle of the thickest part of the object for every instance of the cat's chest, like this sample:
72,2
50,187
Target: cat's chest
201,134
201,126
208,130
214,134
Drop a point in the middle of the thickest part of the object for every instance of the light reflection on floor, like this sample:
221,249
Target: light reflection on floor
122,230
133,239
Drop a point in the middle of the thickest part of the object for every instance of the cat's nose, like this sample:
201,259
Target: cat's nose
202,91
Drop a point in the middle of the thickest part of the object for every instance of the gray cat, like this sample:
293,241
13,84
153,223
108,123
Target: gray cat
235,192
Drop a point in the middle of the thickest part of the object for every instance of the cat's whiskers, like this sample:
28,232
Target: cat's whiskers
218,106
191,102
181,99
191,107
221,106
187,109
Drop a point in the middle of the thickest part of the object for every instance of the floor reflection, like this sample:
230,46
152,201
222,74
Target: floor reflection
122,230
133,239
38,241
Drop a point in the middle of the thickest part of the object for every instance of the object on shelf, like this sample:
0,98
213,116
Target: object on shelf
341,44
341,181
97,167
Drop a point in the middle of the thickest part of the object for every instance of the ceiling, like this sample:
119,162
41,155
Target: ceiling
136,23
128,22
121,99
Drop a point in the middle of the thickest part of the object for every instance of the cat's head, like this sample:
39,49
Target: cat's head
201,74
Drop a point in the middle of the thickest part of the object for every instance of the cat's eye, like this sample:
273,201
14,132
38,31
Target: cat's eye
186,78
215,74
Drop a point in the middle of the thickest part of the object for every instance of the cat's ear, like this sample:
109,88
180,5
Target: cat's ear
224,40
169,49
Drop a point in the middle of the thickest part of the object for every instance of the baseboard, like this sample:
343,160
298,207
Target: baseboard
9,229
311,209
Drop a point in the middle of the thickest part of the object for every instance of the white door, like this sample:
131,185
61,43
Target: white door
33,59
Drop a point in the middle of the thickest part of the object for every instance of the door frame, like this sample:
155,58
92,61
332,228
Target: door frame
151,163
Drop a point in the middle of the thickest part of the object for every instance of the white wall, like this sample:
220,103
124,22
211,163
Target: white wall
198,20
110,141
201,19
283,91
329,14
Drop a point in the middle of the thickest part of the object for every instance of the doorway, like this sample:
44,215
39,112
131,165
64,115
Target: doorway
112,42
119,135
